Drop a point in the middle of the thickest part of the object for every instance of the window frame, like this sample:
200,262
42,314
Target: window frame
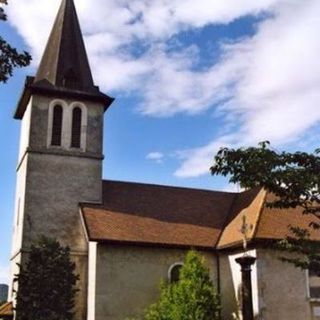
52,105
83,126
308,287
76,128
180,264
66,131
57,137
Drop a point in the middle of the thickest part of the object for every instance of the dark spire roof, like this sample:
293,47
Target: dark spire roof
64,62
64,68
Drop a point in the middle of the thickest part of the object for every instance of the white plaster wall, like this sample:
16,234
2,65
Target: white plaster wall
92,265
25,130
230,273
19,206
282,289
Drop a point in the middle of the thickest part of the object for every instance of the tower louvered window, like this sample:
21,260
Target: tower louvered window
76,128
56,126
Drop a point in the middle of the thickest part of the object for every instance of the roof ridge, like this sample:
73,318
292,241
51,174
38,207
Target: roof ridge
227,218
255,231
170,186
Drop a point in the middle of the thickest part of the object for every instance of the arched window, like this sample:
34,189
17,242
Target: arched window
76,128
56,126
174,272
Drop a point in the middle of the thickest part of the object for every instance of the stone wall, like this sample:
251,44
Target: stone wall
53,180
283,290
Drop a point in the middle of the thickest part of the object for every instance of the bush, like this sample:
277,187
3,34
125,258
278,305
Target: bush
193,297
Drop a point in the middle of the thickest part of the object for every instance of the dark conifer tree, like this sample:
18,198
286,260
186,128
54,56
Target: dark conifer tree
46,283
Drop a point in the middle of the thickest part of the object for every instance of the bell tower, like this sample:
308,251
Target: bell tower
60,158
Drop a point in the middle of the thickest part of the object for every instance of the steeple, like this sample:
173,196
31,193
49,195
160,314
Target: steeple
64,67
64,62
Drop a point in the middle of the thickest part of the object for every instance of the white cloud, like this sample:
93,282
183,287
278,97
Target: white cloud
155,156
197,161
277,79
124,21
231,187
266,85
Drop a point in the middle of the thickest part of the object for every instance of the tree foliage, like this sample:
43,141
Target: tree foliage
46,283
10,58
294,179
193,297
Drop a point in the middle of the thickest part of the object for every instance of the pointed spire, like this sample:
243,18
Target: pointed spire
64,68
64,62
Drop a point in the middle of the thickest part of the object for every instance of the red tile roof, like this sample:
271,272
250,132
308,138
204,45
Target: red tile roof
135,212
6,310
274,223
249,204
171,216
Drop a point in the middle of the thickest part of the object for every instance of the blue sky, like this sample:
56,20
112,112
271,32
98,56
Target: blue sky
188,77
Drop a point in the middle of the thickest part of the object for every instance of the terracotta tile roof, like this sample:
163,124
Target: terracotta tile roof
247,203
134,212
6,310
170,216
274,223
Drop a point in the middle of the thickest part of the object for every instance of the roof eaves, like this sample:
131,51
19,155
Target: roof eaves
236,195
24,98
84,224
39,88
153,244
6,310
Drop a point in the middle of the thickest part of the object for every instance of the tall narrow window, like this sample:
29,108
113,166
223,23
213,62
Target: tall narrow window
174,272
76,128
56,126
314,282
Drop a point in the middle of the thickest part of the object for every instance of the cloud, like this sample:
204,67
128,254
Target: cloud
112,28
265,86
130,20
197,161
231,187
155,156
276,76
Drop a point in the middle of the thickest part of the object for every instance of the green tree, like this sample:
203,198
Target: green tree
294,179
10,58
193,297
46,283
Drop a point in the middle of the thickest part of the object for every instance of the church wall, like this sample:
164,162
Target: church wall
25,131
280,291
283,290
19,198
128,278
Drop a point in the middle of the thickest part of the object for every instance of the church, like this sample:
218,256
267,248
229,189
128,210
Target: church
125,237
